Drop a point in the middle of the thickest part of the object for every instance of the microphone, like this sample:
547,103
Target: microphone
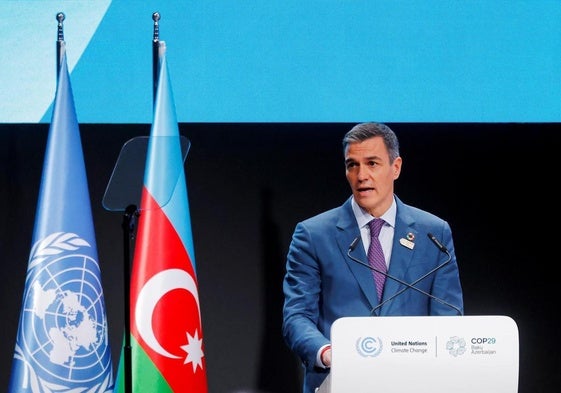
438,244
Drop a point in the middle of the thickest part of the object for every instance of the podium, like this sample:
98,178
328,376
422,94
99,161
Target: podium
429,354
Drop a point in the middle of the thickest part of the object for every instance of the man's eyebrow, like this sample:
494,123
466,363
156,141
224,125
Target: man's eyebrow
370,158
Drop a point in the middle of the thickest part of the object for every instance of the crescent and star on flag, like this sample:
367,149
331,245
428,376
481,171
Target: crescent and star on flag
149,296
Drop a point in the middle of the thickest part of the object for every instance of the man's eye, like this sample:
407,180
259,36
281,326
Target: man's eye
371,163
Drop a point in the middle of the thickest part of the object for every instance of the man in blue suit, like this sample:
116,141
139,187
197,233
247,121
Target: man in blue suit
324,281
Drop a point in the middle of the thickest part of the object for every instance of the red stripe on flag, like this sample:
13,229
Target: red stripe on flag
167,323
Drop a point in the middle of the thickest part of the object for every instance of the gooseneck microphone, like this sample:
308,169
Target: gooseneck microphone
438,244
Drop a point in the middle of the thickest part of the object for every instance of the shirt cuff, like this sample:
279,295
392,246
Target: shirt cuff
324,348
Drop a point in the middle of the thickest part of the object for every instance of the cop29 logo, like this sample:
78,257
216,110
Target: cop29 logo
483,340
456,346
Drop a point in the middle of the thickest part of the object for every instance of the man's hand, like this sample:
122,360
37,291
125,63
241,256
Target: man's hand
326,357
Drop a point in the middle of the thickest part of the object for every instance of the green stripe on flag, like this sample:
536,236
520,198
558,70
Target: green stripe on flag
145,376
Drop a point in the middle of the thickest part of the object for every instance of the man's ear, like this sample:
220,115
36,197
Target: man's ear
397,167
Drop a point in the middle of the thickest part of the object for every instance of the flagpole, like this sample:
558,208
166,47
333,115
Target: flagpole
131,213
59,42
155,53
129,218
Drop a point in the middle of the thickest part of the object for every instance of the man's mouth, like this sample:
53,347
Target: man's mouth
363,190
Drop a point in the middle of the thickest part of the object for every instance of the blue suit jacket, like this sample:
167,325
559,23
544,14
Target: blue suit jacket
323,284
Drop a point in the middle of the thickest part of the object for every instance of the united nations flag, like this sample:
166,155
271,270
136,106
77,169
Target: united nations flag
62,340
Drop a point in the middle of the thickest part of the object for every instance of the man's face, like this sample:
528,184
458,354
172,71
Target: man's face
371,175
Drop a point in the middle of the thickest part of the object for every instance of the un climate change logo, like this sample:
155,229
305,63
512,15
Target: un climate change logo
369,346
64,339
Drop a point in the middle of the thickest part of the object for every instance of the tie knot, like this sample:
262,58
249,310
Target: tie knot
375,226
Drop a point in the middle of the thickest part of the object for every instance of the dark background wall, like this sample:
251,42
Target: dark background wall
248,186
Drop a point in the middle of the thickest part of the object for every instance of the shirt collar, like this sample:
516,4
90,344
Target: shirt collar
363,217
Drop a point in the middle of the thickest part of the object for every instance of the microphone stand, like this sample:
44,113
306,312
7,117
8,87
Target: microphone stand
412,286
128,224
407,285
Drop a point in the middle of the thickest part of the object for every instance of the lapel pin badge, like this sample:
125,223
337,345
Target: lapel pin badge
408,241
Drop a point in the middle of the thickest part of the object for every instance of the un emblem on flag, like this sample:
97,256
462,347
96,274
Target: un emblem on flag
63,333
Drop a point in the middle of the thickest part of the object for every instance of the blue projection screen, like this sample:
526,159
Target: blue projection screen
288,60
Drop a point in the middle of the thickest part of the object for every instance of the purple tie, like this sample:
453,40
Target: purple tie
376,255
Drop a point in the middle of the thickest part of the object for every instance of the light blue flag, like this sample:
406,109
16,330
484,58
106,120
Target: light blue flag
62,340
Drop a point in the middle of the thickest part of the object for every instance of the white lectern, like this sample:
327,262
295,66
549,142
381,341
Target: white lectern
435,354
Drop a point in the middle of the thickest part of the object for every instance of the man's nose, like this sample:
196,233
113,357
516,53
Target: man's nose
362,172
